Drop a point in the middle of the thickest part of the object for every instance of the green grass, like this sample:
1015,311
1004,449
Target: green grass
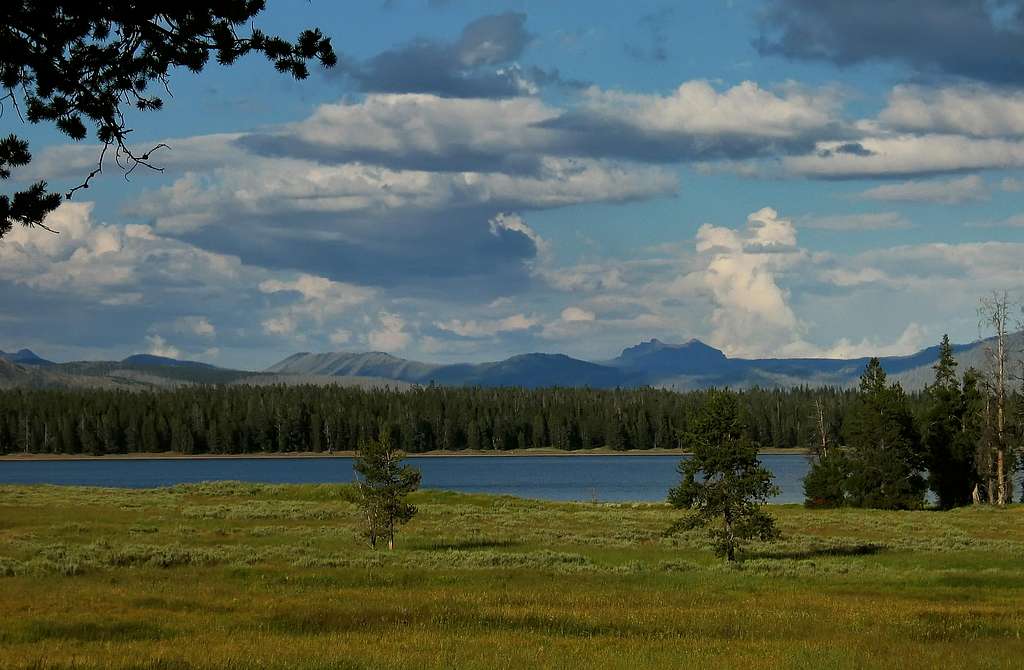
229,575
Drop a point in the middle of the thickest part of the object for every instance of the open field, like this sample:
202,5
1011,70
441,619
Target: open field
240,575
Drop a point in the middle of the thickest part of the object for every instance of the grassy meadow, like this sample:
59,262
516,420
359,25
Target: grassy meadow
229,575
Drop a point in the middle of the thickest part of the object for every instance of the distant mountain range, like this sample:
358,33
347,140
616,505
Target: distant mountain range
691,365
24,357
146,372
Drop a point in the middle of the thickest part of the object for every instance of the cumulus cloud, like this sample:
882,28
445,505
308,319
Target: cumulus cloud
361,192
279,325
390,334
977,39
320,297
913,338
419,132
105,261
955,191
751,312
158,346
124,283
317,300
571,327
908,155
936,285
363,223
694,122
937,273
571,314
978,111
698,122
724,286
488,328
75,161
195,325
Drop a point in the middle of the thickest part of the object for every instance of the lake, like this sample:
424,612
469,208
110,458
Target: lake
602,478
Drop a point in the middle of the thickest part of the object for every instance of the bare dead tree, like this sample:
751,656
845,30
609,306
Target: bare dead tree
994,316
823,439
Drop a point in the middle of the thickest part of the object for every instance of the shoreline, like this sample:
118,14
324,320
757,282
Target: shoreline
172,456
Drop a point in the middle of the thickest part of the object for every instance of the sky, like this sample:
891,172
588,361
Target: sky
477,179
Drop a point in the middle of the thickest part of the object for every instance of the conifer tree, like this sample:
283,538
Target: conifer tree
383,485
949,440
885,456
724,484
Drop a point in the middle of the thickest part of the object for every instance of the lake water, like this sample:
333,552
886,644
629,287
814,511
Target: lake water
603,478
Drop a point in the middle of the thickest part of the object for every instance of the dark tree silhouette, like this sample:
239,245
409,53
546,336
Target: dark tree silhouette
951,432
724,484
82,64
885,456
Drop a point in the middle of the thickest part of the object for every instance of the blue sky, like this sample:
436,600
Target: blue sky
479,179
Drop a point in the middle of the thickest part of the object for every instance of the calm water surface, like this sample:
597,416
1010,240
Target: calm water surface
604,478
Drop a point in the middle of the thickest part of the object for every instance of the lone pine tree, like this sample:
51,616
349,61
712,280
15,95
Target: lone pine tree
384,483
724,484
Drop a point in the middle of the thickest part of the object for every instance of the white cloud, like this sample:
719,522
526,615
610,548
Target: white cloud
974,110
107,262
280,187
971,188
914,338
488,328
696,108
419,131
894,155
182,153
572,314
854,277
195,325
390,335
446,130
514,222
321,298
159,347
751,313
279,325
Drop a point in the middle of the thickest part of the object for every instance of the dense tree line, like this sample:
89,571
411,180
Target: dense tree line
963,444
241,419
872,446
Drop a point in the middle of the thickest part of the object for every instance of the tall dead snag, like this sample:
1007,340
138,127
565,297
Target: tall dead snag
994,314
822,437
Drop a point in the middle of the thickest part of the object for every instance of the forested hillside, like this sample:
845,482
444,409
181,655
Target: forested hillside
251,419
